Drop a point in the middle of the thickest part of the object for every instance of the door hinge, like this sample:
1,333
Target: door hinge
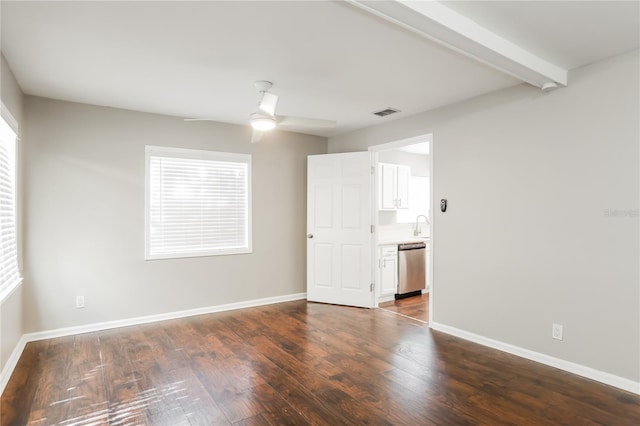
373,229
371,287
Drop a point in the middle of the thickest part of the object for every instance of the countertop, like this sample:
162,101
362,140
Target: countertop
404,241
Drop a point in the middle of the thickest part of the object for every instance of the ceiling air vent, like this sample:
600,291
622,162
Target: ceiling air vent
386,111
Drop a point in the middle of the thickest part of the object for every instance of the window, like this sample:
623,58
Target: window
198,203
9,271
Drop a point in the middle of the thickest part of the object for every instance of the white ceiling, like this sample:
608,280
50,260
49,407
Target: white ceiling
328,60
567,33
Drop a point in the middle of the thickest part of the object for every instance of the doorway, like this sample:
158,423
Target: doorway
403,214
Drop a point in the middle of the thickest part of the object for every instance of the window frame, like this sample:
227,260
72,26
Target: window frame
172,152
8,118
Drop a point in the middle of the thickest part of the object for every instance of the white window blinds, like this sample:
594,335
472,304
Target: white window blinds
9,271
198,203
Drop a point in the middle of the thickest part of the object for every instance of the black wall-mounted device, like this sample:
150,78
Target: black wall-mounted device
443,205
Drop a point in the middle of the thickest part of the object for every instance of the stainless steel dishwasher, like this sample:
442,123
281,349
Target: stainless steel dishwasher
412,262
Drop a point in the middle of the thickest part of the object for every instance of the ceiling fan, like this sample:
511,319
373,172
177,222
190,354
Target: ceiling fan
264,118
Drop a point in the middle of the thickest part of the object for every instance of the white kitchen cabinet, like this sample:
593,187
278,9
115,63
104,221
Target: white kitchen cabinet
402,187
393,186
388,269
387,186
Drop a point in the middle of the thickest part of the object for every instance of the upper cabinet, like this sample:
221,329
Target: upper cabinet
402,187
393,186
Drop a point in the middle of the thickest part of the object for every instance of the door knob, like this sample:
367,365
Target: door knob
309,235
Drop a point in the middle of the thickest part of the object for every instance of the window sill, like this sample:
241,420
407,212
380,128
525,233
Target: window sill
206,254
9,291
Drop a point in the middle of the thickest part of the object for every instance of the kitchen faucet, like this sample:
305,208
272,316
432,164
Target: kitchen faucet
418,231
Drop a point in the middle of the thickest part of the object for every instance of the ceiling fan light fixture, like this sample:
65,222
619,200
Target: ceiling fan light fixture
262,122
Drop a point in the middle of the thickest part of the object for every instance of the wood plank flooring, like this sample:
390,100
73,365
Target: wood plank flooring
295,363
416,307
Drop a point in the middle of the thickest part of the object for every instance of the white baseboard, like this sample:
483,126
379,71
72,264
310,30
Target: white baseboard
11,363
60,332
384,299
578,369
88,328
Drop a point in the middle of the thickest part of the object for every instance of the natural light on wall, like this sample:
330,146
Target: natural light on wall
9,270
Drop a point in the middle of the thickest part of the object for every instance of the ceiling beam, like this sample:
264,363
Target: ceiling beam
437,22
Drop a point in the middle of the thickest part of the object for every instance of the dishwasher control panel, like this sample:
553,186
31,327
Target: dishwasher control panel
412,246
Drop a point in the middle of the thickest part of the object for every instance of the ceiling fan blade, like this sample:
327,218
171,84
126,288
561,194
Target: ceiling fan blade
200,119
305,122
268,103
256,136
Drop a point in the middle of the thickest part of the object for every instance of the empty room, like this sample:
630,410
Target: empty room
320,212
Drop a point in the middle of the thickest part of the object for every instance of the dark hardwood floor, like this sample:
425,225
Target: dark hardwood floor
416,307
296,363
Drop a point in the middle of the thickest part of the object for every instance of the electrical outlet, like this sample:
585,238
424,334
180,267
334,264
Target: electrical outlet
556,331
79,301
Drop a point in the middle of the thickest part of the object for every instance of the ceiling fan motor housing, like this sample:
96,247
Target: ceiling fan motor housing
261,121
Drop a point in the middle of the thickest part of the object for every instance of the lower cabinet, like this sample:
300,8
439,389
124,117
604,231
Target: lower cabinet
388,268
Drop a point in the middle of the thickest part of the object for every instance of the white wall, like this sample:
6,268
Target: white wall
10,309
526,240
84,214
12,96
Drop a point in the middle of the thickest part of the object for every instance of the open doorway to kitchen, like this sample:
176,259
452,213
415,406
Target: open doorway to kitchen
402,215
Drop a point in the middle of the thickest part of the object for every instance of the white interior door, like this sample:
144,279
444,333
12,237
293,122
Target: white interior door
339,238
